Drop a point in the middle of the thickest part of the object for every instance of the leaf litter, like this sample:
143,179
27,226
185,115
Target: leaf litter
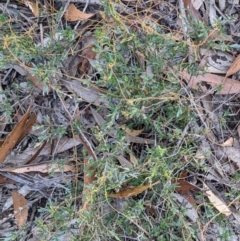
220,84
13,137
43,168
73,14
235,67
20,207
217,202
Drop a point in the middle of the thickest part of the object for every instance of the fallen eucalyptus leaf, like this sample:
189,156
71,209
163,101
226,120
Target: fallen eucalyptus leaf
73,14
228,142
217,202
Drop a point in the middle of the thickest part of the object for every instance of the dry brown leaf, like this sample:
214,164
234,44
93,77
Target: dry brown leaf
228,86
84,65
183,186
130,191
124,162
19,204
73,14
217,203
86,55
33,6
43,168
24,191
13,137
35,81
27,127
64,144
132,132
88,94
133,159
4,180
36,154
98,118
235,67
189,197
228,142
141,57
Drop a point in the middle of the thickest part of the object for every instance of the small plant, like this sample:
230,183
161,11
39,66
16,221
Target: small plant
136,65
21,48
6,108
